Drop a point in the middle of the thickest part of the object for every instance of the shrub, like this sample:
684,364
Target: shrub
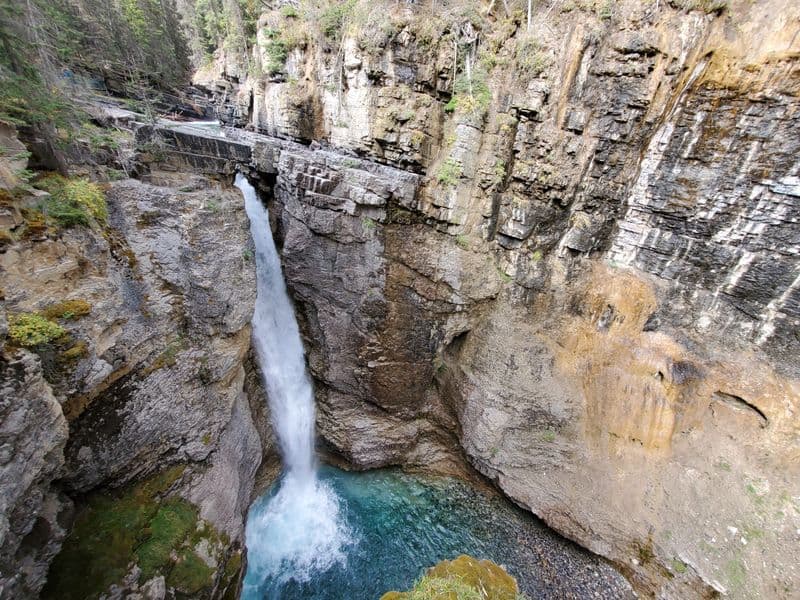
605,10
333,18
29,329
277,52
450,172
470,95
73,201
289,11
531,58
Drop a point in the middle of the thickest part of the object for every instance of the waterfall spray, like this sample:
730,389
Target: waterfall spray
299,532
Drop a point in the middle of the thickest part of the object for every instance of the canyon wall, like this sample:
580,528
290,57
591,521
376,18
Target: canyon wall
139,425
580,270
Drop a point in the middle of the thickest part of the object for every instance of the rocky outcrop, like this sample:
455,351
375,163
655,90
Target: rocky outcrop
150,374
33,432
593,289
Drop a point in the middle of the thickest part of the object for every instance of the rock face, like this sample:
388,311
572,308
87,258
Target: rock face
150,376
33,433
591,284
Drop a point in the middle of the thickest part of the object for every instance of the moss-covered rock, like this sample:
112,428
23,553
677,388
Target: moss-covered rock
67,309
464,578
29,330
137,525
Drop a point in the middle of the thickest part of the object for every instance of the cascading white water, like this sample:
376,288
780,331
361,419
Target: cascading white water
299,531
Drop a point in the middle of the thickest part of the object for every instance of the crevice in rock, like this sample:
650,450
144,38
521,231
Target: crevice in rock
739,404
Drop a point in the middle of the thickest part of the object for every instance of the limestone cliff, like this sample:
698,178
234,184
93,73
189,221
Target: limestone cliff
126,348
581,269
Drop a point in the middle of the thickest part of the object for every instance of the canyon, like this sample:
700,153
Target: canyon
557,255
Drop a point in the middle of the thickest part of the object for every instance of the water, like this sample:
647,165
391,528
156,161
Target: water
325,534
299,531
402,524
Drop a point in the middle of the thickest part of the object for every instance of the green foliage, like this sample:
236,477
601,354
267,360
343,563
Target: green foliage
276,52
190,574
471,95
73,201
464,578
114,529
25,100
29,330
499,172
736,574
169,356
368,224
289,11
504,276
549,436
605,10
171,524
530,57
450,172
462,241
334,16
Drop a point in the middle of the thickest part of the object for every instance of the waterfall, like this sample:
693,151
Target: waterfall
299,531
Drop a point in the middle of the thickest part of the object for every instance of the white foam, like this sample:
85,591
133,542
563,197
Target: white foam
301,530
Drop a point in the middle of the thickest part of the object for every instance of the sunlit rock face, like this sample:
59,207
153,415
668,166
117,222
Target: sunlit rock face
593,289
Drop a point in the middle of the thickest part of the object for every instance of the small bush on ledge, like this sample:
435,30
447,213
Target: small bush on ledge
73,201
450,172
30,330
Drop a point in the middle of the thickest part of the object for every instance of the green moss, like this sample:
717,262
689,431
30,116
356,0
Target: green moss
464,578
368,224
190,574
170,526
68,309
74,352
707,6
109,533
678,566
504,276
548,436
736,574
29,330
231,576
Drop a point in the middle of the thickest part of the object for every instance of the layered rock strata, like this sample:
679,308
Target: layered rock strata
593,287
